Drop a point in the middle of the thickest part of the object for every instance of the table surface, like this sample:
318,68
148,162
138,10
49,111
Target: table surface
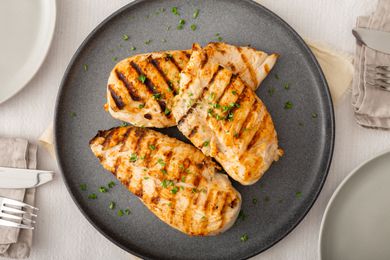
62,231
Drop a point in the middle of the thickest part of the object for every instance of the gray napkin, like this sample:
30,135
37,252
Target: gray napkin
371,104
17,153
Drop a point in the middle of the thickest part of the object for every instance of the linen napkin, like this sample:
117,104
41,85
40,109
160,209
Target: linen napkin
17,153
371,104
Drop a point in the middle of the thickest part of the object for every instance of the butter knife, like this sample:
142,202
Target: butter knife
16,178
376,40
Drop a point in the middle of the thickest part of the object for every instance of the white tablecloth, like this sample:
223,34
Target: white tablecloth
63,233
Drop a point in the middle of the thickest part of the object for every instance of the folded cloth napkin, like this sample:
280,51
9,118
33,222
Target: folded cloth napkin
17,153
371,104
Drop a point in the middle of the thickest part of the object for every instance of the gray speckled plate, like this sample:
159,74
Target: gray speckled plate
306,132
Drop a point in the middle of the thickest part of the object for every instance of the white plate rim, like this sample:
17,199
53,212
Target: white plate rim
337,191
26,78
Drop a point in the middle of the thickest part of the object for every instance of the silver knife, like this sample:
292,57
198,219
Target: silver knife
376,40
16,178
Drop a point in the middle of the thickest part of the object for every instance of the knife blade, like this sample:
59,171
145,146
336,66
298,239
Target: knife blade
15,178
376,40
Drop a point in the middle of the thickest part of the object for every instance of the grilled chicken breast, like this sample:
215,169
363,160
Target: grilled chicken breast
223,117
176,181
141,88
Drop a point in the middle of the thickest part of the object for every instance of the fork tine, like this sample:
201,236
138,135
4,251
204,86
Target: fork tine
10,216
13,224
18,211
18,203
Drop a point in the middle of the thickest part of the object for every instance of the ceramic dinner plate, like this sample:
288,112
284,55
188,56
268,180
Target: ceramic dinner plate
26,29
273,206
356,223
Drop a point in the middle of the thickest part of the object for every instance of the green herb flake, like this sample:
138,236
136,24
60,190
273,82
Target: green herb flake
242,215
219,38
157,96
125,124
133,157
111,184
146,178
164,171
85,66
182,21
120,213
298,194
73,114
194,190
103,189
111,205
195,14
83,187
92,196
212,96
167,183
254,201
142,78
175,11
174,190
244,238
152,147
234,92
287,86
167,111
193,27
133,48
183,179
271,91
180,27
148,42
236,135
314,115
141,105
206,143
127,211
266,199
277,76
114,58
181,166
125,37
161,162
288,105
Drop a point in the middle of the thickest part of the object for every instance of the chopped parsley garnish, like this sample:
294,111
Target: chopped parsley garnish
193,27
212,95
287,86
133,48
230,117
146,177
174,190
235,135
216,105
288,105
142,158
112,205
234,92
242,215
219,38
169,55
174,11
218,117
181,166
142,78
277,76
125,37
92,196
190,94
182,21
194,190
164,171
120,213
298,194
266,199
161,162
314,115
244,238
167,183
167,111
114,58
127,211
206,143
133,157
83,187
111,184
103,189
152,147
254,201
271,91
141,106
85,66
73,114
125,124
180,26
157,96
195,14
183,179
148,41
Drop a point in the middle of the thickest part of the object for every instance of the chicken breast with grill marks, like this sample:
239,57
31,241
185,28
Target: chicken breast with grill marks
176,181
141,88
223,117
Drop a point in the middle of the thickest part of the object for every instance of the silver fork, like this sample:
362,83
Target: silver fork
14,213
379,76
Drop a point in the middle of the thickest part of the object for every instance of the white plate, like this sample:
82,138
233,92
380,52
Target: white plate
26,29
356,222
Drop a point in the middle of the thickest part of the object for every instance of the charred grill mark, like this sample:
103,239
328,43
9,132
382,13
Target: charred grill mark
151,88
232,79
107,141
117,99
193,131
129,86
249,66
116,165
125,137
140,133
204,60
149,156
188,55
163,75
196,180
167,160
201,96
155,200
169,57
257,135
